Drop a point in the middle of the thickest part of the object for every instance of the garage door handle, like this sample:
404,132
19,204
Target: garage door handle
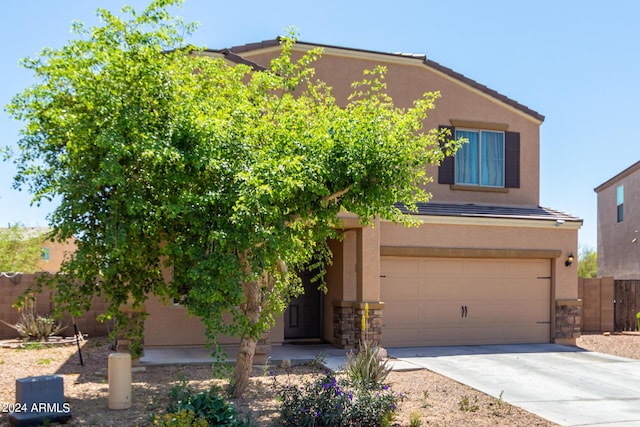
463,311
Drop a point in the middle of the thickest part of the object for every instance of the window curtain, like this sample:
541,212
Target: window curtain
492,156
467,158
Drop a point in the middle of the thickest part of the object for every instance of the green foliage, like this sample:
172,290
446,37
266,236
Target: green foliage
32,326
207,405
20,249
638,317
499,407
587,262
166,158
329,401
366,368
415,420
466,405
178,419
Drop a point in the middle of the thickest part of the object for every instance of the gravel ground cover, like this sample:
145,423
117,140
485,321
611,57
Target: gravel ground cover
432,399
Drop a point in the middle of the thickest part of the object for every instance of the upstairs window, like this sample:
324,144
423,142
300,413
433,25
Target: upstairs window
620,202
481,160
491,159
45,254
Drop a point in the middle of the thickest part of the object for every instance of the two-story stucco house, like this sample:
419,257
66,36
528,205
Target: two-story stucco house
488,264
619,225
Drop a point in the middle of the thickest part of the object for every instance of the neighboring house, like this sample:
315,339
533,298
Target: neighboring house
51,253
488,265
619,225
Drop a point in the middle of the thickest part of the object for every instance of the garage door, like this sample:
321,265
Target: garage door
451,301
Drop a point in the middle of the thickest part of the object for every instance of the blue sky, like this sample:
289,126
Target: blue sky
576,62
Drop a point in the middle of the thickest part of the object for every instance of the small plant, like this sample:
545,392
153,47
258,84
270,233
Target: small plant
207,405
178,419
35,345
329,401
638,317
499,406
46,361
366,367
424,399
415,420
32,326
466,405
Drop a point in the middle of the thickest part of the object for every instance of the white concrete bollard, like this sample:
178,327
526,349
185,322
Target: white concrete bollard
119,381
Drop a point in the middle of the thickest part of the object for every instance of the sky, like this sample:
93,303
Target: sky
577,62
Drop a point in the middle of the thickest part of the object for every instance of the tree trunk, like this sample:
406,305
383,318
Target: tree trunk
248,341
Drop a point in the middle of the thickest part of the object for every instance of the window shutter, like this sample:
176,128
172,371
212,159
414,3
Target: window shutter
512,159
446,171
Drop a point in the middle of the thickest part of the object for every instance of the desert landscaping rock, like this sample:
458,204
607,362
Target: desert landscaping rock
436,400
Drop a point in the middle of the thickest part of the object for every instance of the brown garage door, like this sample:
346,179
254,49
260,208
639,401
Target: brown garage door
451,301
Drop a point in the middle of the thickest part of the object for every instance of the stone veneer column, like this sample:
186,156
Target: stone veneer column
568,312
347,323
343,327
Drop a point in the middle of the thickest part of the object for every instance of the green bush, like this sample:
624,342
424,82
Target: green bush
178,419
329,401
207,405
638,317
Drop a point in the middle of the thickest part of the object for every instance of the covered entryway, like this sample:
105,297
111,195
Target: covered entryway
459,301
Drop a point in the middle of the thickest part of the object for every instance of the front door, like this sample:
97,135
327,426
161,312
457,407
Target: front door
303,317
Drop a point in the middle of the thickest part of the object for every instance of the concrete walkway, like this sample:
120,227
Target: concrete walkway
565,385
333,358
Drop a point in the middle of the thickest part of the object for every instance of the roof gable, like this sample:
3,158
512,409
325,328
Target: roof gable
235,54
628,171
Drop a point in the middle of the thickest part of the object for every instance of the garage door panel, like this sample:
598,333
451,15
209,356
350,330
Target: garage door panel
441,287
400,337
527,290
401,314
440,266
529,312
404,288
507,300
482,287
441,336
445,314
402,267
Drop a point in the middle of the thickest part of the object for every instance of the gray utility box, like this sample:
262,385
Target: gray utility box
38,399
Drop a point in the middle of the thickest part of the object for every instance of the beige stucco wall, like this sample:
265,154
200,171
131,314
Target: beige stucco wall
57,253
407,79
619,242
497,234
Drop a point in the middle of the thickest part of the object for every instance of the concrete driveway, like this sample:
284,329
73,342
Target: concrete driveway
566,385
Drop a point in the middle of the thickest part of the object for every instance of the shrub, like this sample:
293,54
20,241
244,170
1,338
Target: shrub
178,419
32,326
366,368
207,405
328,401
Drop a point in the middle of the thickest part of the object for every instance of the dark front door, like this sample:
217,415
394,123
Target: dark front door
303,317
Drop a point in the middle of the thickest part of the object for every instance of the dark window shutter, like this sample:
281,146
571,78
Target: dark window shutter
512,159
446,171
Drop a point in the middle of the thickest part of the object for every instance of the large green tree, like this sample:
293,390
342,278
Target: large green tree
587,262
228,177
20,249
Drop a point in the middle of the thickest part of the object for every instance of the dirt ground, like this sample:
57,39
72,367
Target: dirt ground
431,398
